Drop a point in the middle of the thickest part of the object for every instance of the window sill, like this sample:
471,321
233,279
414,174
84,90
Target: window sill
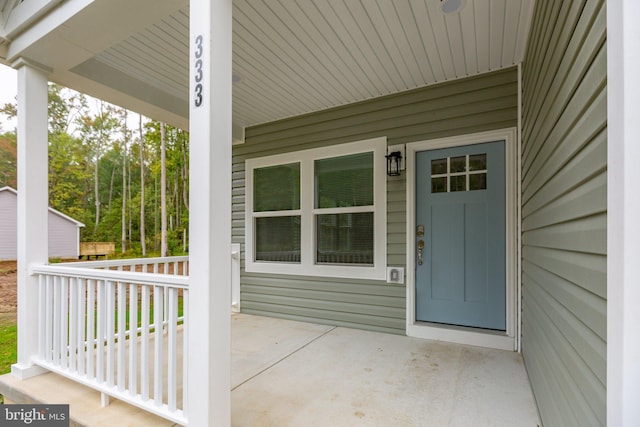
338,271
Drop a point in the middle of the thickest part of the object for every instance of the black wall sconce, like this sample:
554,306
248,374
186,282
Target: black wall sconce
394,160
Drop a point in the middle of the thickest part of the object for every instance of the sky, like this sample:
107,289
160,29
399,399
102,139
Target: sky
8,90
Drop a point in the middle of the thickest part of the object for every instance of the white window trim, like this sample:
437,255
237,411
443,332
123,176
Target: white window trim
507,340
306,158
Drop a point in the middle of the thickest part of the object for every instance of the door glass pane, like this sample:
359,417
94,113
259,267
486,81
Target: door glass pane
438,166
458,164
277,239
478,181
345,238
344,181
276,188
459,183
478,162
439,185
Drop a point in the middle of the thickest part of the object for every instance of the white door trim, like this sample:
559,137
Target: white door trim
462,335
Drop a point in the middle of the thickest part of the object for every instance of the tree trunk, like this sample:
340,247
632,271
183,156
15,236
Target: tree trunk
163,192
130,206
185,188
176,191
184,240
97,196
185,176
113,175
156,241
143,242
123,237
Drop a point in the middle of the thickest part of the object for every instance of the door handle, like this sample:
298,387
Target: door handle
420,248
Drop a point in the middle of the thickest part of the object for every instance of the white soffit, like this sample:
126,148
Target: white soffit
295,57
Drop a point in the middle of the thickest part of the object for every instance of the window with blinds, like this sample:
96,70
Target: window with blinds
344,209
318,212
276,195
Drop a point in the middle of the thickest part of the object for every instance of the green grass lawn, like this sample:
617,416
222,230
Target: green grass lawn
8,346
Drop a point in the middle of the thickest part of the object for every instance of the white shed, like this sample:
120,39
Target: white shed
64,231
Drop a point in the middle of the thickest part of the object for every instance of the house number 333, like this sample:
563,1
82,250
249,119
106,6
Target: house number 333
198,71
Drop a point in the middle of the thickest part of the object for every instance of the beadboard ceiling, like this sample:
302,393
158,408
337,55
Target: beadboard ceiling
297,56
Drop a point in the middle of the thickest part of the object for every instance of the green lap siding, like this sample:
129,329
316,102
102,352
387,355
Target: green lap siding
564,212
469,105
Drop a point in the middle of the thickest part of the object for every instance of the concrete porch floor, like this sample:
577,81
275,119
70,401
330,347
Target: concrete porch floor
287,373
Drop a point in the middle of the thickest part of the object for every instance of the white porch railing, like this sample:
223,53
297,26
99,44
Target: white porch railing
177,265
110,324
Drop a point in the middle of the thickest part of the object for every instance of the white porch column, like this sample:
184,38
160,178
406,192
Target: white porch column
623,216
209,378
32,207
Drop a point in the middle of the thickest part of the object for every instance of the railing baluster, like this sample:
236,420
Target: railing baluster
57,318
185,351
122,334
165,270
165,306
158,338
91,328
48,344
64,319
172,316
80,337
100,319
144,345
133,339
73,323
111,307
42,308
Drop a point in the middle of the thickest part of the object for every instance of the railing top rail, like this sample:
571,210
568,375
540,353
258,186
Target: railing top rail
113,275
127,261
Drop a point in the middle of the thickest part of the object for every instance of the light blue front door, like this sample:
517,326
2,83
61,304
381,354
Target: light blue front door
460,236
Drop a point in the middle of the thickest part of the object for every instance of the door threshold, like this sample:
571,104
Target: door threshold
462,335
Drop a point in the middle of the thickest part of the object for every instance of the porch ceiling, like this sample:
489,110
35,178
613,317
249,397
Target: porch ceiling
289,57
